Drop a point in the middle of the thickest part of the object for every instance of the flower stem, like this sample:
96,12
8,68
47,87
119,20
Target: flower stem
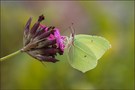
10,55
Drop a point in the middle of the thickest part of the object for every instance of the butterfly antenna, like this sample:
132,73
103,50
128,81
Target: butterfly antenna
73,32
73,29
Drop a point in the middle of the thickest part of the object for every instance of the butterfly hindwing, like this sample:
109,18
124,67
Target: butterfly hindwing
86,51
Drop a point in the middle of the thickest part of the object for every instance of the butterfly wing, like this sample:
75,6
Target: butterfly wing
86,51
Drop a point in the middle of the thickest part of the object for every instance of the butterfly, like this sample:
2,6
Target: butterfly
84,51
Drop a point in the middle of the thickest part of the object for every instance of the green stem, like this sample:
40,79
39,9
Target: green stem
10,55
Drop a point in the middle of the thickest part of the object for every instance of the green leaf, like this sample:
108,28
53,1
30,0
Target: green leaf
86,51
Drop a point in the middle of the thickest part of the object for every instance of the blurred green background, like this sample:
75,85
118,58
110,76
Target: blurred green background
113,20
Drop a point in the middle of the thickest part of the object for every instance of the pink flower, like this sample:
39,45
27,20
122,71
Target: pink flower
42,42
57,36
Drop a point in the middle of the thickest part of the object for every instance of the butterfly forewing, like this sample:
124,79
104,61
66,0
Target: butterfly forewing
98,45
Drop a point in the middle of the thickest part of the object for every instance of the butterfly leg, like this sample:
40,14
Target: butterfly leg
46,58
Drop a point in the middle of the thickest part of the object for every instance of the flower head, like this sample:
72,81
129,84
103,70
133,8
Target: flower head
42,42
